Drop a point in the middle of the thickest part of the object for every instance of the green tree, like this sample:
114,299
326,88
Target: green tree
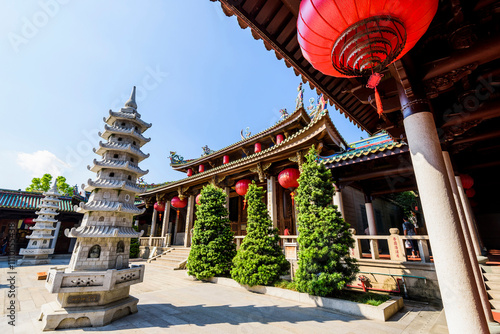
212,246
259,260
324,239
44,184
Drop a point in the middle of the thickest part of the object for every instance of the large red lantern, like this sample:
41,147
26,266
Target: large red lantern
159,206
350,38
225,159
467,181
257,148
190,172
289,179
178,204
198,198
242,188
470,192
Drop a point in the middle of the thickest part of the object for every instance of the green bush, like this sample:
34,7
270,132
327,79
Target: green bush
259,260
212,246
324,239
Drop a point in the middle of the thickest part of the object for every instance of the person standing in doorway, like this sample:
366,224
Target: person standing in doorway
409,229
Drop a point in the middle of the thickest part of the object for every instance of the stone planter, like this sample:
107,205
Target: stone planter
382,312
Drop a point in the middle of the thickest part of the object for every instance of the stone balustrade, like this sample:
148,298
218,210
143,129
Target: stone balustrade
155,241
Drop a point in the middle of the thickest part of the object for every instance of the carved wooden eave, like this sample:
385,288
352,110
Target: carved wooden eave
299,141
260,170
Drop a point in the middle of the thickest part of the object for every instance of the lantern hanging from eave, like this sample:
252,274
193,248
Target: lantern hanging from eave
29,221
198,198
350,38
225,159
289,179
242,188
470,192
467,181
159,206
178,204
189,172
201,168
257,148
279,139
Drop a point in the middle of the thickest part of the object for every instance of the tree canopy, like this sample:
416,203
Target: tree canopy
45,183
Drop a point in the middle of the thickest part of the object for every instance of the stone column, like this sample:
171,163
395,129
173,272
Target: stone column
462,304
227,190
166,222
189,221
56,235
153,225
337,200
468,241
370,215
469,217
271,200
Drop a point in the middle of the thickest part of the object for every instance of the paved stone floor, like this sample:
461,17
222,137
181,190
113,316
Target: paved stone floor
169,301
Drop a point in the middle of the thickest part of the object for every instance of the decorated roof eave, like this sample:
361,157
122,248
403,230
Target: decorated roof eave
367,155
257,34
296,116
314,129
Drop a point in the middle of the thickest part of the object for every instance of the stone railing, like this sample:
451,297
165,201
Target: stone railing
395,246
155,241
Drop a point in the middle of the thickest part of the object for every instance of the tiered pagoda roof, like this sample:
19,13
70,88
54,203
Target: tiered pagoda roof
128,148
115,164
114,130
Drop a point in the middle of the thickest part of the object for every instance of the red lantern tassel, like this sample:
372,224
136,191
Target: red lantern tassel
378,101
244,204
293,198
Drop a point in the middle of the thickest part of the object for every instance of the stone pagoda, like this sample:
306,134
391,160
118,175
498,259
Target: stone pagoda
94,289
39,245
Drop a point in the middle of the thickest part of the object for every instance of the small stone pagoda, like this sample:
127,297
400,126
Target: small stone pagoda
39,246
94,290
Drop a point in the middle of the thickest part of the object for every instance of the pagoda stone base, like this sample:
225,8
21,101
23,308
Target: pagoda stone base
53,316
37,259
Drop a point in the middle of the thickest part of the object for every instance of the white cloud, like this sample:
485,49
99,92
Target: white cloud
41,162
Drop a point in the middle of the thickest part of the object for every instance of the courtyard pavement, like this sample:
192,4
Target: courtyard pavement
171,302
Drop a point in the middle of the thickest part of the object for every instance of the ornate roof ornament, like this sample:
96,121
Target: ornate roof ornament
318,109
131,101
299,101
247,133
176,159
206,150
284,114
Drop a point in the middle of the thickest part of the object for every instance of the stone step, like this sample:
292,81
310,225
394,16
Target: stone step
495,269
494,294
490,277
174,257
163,266
180,251
169,261
492,285
495,304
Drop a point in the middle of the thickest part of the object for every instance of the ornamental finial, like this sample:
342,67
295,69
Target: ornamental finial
299,101
131,101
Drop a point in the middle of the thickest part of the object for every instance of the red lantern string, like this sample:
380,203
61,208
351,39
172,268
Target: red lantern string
293,198
373,82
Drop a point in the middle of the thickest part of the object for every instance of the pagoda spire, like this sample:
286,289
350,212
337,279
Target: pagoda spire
131,101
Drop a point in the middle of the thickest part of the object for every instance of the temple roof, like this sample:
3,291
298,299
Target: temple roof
298,116
316,127
117,164
25,200
363,149
103,147
110,130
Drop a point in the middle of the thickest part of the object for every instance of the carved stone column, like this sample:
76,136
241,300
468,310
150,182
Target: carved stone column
271,200
189,221
462,304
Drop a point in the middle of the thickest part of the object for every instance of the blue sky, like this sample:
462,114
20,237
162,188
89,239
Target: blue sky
200,78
